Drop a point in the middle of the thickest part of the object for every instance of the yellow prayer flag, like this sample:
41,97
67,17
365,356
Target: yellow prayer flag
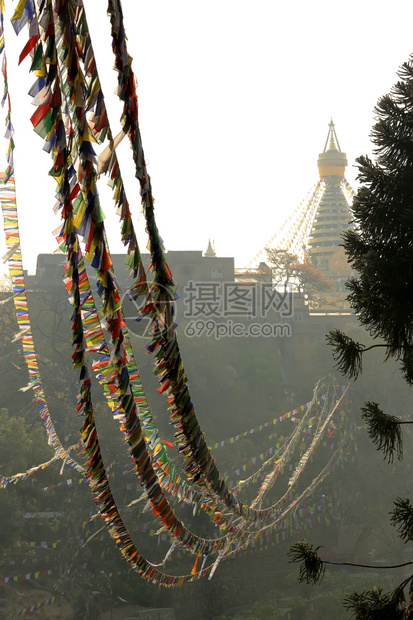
18,13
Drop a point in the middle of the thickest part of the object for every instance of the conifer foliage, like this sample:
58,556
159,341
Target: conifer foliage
380,250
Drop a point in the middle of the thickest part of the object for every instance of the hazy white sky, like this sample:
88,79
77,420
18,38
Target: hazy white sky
235,100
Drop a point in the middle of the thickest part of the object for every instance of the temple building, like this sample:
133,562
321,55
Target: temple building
313,232
333,214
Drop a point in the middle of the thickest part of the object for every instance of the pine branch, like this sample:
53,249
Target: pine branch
373,605
347,353
407,366
384,430
402,518
313,567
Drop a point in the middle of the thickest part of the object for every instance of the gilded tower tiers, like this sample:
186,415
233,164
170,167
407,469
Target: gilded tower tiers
333,214
314,229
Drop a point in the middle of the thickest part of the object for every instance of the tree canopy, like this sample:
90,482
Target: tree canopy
301,275
380,250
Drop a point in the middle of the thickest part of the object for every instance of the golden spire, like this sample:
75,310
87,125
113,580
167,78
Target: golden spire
332,162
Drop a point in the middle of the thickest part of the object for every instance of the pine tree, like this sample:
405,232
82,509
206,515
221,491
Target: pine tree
380,250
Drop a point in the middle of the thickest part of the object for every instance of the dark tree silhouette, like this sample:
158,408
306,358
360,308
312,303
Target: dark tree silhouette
380,250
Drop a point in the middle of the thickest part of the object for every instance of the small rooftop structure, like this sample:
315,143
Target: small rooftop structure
210,251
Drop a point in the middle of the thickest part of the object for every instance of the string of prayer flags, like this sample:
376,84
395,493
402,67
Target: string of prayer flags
89,433
200,466
15,265
6,480
27,576
25,12
71,118
290,415
37,606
